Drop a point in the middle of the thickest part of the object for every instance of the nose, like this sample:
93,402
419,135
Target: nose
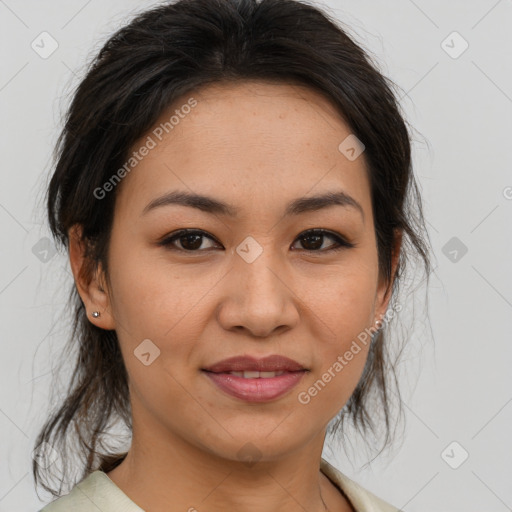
258,297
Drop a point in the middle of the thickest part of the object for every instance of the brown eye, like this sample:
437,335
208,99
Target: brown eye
313,240
190,240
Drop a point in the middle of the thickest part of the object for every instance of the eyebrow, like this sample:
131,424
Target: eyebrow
214,206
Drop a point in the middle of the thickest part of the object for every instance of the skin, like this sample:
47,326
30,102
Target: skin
257,146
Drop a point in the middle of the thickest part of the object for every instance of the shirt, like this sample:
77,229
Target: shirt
98,492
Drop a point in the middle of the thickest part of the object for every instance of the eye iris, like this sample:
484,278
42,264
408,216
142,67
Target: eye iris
316,239
189,237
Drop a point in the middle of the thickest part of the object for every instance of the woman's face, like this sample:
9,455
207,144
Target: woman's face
252,282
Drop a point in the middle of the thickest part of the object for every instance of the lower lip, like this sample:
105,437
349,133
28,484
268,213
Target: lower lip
256,390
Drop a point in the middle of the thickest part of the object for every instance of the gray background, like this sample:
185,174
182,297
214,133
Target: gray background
456,380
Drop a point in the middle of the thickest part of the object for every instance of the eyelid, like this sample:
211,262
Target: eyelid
341,242
167,240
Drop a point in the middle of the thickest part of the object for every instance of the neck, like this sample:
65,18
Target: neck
156,474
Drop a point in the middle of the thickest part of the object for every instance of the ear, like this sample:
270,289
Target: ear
383,297
89,280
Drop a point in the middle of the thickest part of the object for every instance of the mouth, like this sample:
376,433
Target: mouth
250,367
255,388
254,379
248,374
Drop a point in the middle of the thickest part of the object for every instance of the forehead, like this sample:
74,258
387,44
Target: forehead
247,139
250,93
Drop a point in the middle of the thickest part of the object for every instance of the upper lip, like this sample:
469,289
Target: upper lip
272,363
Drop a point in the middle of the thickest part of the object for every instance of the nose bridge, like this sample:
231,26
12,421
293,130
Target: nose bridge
259,300
257,266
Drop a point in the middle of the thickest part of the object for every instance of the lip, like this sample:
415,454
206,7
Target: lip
272,363
259,389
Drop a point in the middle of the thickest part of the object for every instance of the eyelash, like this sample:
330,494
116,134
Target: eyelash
340,241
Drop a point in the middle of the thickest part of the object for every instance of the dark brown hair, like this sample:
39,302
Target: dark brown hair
160,55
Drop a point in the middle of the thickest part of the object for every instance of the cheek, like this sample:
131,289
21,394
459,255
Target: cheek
341,351
342,303
151,299
332,387
343,311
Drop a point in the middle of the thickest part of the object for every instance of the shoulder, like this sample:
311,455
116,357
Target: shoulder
96,492
361,499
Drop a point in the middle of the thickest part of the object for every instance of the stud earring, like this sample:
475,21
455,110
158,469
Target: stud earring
95,314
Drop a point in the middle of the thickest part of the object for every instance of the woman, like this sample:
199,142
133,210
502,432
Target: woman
232,185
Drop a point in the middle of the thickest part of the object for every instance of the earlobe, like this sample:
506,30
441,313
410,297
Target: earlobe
89,281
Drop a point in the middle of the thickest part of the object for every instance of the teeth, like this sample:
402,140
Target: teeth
256,375
266,375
